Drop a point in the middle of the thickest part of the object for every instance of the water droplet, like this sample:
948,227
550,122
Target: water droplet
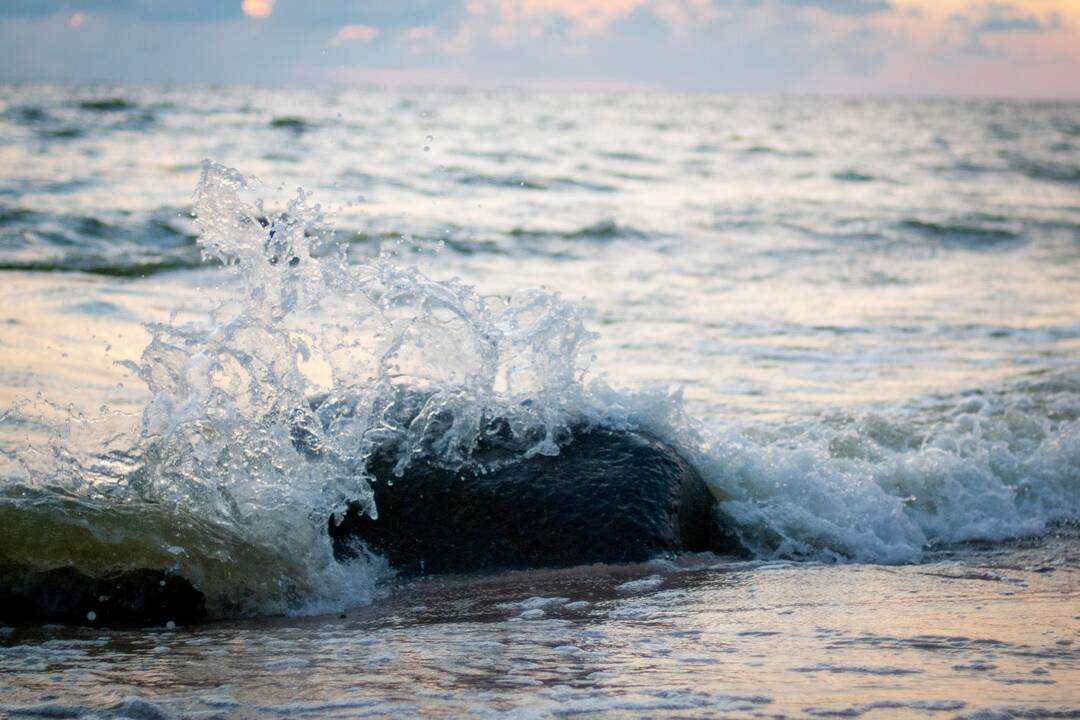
91,616
429,138
170,625
427,148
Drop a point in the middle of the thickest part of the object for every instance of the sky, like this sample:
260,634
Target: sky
1017,48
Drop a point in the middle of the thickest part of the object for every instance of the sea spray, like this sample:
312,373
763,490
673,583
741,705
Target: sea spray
218,486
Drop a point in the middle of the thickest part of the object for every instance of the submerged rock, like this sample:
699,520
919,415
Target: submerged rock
608,496
67,595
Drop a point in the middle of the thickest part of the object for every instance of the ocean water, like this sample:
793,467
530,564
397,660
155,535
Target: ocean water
859,319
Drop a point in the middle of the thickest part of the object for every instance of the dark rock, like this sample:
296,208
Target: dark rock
608,496
67,595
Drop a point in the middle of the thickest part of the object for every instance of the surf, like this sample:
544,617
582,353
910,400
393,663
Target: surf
242,463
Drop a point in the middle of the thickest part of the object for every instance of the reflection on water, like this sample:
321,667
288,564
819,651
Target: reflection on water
994,630
768,254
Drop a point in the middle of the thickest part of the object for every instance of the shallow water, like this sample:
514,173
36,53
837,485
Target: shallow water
991,633
859,319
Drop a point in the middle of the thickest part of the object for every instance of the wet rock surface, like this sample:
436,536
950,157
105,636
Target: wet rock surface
608,496
67,595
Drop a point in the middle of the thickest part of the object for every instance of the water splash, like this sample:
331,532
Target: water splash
308,336
263,414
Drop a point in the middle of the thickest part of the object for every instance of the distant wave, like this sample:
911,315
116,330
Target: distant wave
515,241
293,123
92,266
528,182
973,232
600,230
1050,170
851,175
108,104
92,116
46,242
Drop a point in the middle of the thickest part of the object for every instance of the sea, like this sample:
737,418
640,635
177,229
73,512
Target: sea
857,318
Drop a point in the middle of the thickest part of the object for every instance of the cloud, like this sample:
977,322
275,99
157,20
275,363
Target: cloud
1012,24
740,46
377,13
155,10
834,46
643,22
419,33
989,30
845,7
350,33
374,13
1004,18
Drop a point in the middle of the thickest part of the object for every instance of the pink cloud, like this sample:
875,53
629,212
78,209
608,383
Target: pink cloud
351,33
